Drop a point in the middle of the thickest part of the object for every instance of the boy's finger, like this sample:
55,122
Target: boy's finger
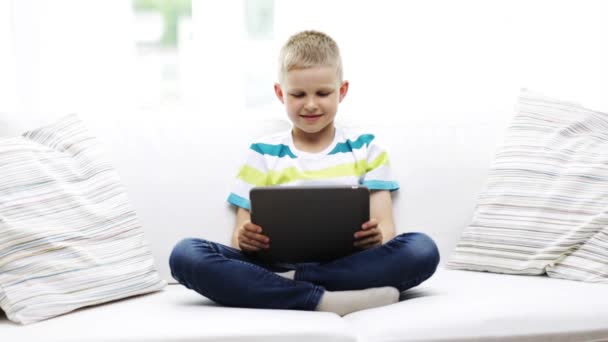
363,233
366,237
253,228
247,247
369,245
255,243
368,242
257,237
369,224
363,242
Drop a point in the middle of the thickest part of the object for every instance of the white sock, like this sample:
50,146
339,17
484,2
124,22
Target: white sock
288,274
345,302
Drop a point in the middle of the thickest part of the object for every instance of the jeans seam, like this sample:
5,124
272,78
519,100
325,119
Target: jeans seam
216,250
283,279
317,292
297,274
261,268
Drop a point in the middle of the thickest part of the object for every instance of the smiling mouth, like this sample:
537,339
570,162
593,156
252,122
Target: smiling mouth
311,116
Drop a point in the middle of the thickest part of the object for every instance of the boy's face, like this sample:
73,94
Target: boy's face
311,97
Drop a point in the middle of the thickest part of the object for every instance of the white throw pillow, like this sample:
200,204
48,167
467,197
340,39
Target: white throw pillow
545,207
68,235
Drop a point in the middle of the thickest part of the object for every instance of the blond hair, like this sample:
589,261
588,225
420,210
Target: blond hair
308,49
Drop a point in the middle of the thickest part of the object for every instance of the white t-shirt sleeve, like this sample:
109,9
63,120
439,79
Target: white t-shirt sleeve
379,175
251,174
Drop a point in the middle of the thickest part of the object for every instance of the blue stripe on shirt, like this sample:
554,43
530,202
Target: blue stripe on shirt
349,145
239,201
381,185
279,150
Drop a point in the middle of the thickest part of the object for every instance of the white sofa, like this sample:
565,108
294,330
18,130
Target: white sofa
178,181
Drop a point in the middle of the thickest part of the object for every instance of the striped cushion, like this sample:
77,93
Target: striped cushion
545,208
68,235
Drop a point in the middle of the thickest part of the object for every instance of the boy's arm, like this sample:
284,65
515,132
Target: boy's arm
381,209
242,215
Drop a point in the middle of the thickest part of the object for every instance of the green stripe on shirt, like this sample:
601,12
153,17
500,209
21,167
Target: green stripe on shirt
255,177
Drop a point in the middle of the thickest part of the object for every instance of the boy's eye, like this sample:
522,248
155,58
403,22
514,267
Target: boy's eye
323,94
297,95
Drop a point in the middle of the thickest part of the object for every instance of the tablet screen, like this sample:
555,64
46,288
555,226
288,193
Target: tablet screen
309,223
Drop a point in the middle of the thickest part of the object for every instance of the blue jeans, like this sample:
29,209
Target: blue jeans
230,277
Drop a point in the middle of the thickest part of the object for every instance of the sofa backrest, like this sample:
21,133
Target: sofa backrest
178,171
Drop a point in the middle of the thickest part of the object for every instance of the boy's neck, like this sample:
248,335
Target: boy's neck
313,142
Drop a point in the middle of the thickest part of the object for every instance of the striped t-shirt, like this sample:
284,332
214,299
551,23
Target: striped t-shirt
351,159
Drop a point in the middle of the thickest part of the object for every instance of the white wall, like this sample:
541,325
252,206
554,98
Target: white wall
421,60
439,78
65,56
406,60
8,97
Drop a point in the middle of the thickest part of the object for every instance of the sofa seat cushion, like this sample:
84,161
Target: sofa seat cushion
178,314
457,305
453,305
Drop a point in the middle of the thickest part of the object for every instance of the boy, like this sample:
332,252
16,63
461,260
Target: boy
314,151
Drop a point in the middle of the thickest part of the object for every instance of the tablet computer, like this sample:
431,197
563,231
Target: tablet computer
309,223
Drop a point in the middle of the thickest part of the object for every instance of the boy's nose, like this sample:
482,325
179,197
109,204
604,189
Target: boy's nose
311,104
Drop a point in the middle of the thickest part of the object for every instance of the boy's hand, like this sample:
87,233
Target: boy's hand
250,238
369,236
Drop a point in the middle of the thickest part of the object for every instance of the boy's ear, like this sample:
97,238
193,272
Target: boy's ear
279,92
343,90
